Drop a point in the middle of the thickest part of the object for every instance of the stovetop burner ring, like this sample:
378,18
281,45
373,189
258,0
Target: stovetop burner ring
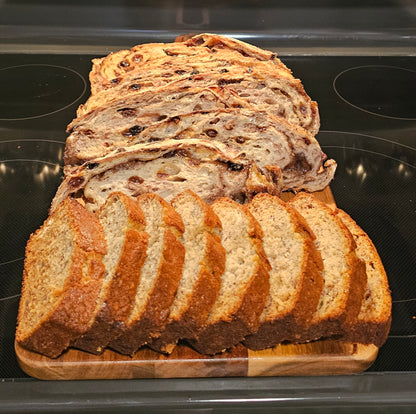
36,90
381,90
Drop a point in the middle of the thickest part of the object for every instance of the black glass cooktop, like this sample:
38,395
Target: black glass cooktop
368,124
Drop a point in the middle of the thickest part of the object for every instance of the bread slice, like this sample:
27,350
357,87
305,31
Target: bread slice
265,89
201,278
160,276
296,281
374,319
115,124
62,279
245,282
344,274
210,169
123,223
107,72
129,115
256,137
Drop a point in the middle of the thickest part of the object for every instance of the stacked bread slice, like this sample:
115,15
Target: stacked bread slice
225,102
214,275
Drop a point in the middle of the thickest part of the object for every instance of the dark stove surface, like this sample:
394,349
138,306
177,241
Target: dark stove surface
368,124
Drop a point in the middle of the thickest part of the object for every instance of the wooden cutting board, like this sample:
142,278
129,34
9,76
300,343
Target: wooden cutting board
326,357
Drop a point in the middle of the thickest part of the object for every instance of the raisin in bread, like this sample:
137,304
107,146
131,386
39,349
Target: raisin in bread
245,281
123,222
108,71
295,277
62,279
159,279
343,272
374,319
169,168
201,278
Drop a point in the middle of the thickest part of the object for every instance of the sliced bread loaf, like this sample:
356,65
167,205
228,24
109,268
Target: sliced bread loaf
245,281
123,223
210,169
296,282
343,273
201,278
374,319
160,276
117,123
108,71
62,279
255,137
265,90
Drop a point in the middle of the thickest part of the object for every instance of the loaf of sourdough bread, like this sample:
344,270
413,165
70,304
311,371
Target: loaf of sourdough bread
201,278
245,281
344,273
159,277
296,281
62,279
123,222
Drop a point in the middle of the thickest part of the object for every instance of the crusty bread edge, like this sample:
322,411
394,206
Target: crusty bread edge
80,292
232,329
153,319
122,287
370,331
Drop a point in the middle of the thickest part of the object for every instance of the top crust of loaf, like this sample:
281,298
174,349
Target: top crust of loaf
295,277
75,278
374,319
237,310
338,309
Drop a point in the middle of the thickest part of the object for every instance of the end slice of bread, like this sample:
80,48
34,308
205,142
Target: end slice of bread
296,281
62,280
160,275
344,273
201,278
245,281
374,320
123,222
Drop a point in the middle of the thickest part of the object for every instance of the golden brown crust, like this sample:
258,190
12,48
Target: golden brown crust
71,315
373,328
87,229
336,323
204,294
287,326
152,320
232,329
121,293
244,320
159,301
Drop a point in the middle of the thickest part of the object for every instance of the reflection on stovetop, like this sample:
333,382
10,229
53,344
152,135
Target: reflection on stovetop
368,118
